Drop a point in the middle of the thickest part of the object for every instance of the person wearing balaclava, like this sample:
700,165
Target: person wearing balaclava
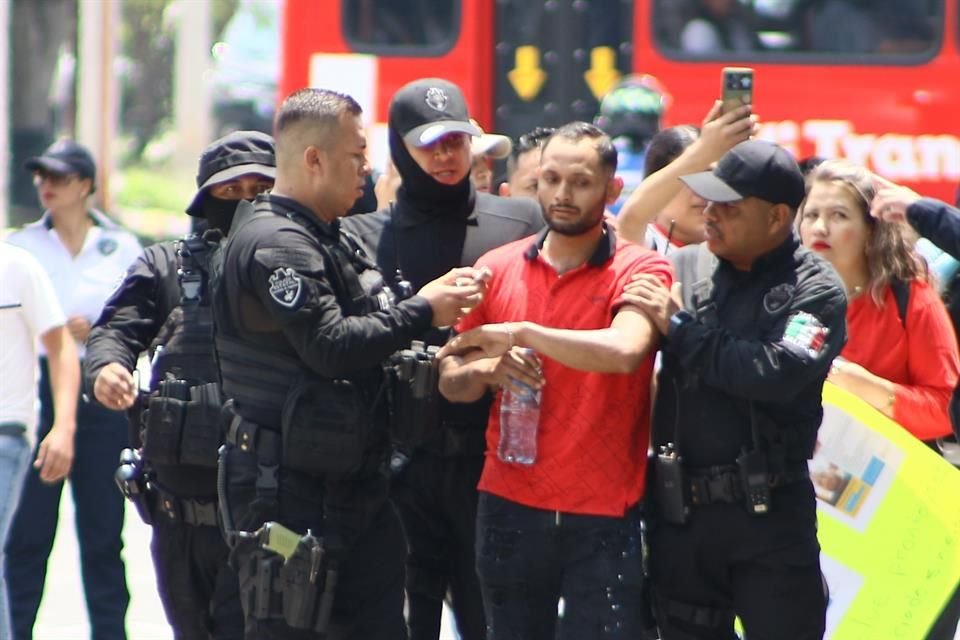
162,307
438,221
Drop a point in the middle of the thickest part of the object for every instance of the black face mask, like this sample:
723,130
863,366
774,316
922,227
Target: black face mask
218,212
422,192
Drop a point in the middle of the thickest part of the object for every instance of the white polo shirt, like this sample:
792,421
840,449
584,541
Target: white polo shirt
28,309
85,281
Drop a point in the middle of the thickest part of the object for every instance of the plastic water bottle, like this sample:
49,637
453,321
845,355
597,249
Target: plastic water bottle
519,420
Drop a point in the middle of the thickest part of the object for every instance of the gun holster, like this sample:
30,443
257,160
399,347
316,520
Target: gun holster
132,481
308,580
414,396
305,582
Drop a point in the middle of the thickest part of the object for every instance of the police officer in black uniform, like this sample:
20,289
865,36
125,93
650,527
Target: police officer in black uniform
304,325
439,222
163,307
745,356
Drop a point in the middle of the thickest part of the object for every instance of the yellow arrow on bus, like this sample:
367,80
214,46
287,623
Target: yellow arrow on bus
527,77
603,72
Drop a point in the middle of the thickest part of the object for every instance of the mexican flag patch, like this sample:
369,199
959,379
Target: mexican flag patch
805,331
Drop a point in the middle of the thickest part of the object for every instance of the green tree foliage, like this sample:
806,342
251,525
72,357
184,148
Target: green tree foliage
147,43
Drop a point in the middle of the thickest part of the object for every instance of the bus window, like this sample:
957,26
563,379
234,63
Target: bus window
751,29
410,27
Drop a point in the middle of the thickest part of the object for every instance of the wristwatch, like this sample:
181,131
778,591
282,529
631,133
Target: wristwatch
679,319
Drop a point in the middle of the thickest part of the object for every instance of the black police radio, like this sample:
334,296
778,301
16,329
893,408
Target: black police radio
754,478
670,486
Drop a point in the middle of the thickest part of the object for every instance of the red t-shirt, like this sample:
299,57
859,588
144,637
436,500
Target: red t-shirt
920,359
594,427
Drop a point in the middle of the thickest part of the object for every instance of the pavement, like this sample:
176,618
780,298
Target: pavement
63,614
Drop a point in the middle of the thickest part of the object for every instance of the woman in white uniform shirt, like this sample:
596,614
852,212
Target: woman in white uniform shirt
85,255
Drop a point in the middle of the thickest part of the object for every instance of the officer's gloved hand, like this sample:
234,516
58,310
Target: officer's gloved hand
454,294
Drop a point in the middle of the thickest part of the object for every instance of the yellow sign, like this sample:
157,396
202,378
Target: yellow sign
602,74
527,77
889,526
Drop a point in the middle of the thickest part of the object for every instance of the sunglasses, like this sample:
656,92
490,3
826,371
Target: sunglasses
54,179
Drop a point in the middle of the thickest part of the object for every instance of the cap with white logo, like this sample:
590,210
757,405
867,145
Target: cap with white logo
425,110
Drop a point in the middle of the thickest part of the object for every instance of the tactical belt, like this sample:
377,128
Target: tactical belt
185,510
699,615
722,483
250,437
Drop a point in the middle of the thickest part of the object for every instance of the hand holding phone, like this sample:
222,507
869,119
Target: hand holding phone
736,88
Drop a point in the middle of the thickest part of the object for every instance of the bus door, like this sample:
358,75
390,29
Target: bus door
554,60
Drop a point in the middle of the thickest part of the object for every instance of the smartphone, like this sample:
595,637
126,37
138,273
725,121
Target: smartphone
737,87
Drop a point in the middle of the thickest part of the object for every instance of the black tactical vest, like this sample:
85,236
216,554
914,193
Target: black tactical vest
259,374
181,423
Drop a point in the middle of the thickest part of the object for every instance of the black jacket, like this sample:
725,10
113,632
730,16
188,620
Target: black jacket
424,247
764,337
299,299
938,222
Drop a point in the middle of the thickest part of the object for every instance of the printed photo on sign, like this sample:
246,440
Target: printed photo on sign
852,466
887,523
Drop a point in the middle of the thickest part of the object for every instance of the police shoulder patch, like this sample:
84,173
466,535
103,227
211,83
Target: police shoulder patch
285,286
778,297
806,332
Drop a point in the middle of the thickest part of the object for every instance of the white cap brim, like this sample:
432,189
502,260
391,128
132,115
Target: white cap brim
493,145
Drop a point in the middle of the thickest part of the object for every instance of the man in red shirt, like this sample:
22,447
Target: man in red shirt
566,526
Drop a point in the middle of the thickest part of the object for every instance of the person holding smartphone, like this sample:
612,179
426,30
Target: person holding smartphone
719,133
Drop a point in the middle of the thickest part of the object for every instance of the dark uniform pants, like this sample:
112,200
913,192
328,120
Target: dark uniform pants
725,562
199,590
436,497
100,436
529,558
368,601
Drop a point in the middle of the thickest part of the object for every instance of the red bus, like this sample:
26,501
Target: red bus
875,81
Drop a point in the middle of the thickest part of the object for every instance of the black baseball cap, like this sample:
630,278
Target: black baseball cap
755,168
425,110
236,154
65,158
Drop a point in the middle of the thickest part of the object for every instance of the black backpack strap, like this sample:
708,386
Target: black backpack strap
901,293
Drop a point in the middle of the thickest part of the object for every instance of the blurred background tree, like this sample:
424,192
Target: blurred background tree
43,44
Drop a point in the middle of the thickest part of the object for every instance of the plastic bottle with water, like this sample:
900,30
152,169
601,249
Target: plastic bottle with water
519,421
